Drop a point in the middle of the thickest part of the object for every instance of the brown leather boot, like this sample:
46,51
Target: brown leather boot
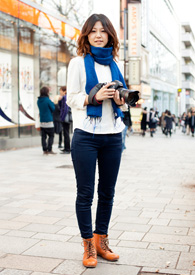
90,254
101,243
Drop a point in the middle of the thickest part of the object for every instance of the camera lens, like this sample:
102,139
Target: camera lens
130,96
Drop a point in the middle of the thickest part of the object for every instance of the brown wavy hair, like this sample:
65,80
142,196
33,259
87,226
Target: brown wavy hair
83,42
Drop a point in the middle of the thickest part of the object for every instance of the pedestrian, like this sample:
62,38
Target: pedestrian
143,121
152,121
162,122
192,122
187,122
97,128
127,121
168,123
46,109
183,122
57,120
64,116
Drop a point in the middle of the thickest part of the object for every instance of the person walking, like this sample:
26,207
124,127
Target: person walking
97,128
57,120
127,121
64,114
192,122
152,121
143,121
168,123
46,109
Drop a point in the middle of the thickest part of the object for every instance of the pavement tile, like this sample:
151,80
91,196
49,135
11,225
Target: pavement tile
36,219
58,250
42,273
131,227
170,247
69,231
17,210
3,231
15,245
186,261
171,239
178,216
42,228
12,224
149,214
166,271
159,221
131,220
131,236
192,249
7,216
59,214
18,233
15,272
70,267
169,230
182,223
108,269
133,244
52,237
146,257
29,263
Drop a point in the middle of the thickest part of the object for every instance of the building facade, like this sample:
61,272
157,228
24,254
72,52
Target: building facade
160,54
162,41
35,49
187,93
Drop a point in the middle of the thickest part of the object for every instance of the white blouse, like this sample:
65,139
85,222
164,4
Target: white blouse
76,95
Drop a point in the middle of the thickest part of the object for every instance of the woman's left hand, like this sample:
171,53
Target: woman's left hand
117,99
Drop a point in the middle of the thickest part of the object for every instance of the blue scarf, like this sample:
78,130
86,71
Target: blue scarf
102,56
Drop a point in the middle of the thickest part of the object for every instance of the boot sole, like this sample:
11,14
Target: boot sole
114,260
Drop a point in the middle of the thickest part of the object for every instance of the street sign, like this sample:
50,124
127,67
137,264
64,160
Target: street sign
134,72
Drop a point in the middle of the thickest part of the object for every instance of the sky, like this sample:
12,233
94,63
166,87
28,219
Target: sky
185,10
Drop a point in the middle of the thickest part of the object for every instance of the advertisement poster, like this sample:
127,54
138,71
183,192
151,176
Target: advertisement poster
5,90
26,90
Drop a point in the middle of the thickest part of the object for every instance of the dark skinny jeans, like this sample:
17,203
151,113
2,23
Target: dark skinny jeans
86,150
47,143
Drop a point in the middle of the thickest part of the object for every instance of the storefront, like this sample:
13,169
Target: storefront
35,49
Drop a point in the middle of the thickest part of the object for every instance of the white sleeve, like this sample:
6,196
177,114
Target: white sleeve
75,95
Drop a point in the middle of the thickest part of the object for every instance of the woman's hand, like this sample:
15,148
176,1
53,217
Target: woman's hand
117,99
105,93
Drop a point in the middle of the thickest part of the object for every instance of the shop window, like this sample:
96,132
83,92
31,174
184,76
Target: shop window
28,74
8,79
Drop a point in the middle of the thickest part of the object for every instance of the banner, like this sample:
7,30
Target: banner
26,100
5,89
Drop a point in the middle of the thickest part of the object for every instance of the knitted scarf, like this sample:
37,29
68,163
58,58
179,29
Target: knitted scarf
102,56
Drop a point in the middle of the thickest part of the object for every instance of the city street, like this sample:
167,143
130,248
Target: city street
153,221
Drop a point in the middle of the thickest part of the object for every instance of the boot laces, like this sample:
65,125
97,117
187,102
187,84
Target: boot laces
90,249
104,245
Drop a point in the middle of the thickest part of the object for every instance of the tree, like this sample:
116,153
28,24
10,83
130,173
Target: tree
74,10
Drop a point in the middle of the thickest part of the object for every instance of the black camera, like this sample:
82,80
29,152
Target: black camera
130,96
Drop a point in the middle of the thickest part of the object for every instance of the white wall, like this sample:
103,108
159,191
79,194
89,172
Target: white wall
111,8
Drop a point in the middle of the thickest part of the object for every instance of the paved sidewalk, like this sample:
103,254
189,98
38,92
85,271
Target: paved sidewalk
153,221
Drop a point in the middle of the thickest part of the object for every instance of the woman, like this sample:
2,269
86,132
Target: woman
143,121
168,123
97,128
46,109
64,115
152,121
57,120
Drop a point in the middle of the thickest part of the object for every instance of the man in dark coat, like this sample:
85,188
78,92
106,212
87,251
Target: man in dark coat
192,122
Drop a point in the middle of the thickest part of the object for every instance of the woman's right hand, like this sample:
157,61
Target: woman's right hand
105,93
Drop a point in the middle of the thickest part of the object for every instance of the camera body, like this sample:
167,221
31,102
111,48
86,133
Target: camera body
130,96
